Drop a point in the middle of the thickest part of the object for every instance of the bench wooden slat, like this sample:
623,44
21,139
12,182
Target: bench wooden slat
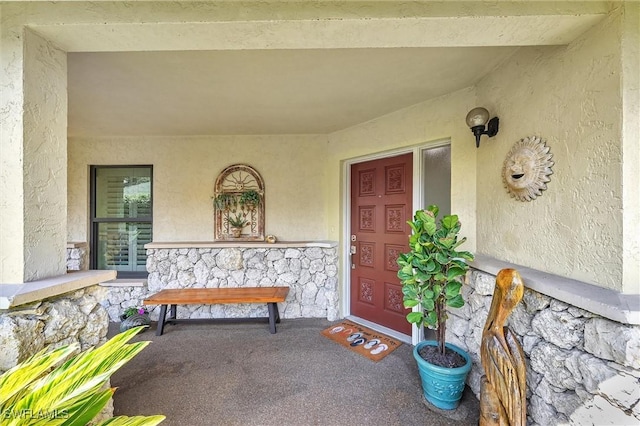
195,296
211,296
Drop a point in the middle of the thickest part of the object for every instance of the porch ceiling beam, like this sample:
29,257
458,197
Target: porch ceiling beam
468,31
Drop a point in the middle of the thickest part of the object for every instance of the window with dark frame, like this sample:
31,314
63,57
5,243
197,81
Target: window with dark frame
121,218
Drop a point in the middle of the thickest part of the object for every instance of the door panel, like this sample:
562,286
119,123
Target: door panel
381,194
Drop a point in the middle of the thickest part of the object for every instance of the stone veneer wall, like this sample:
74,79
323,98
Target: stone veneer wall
75,317
309,272
61,320
123,296
581,368
77,257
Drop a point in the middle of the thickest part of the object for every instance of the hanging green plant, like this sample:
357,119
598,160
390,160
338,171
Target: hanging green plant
224,201
250,198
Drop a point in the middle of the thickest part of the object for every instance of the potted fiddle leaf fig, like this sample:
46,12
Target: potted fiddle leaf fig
431,274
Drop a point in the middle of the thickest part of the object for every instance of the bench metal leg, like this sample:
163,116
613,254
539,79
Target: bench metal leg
161,319
274,316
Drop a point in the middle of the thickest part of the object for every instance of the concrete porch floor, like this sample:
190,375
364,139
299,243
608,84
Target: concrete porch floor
239,374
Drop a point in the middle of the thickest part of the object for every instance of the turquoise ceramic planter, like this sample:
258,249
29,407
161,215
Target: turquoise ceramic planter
442,386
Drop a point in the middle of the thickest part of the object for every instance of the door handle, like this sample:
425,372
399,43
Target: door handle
352,251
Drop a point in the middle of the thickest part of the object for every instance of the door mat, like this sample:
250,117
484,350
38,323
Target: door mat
362,340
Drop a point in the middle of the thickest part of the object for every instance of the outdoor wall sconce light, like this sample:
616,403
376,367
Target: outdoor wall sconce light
478,121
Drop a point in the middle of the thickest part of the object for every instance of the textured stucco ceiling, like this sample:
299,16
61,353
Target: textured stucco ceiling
212,73
260,92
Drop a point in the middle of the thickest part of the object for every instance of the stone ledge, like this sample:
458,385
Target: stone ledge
18,294
124,282
239,244
76,244
616,306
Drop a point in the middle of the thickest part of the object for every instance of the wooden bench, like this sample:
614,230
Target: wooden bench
213,296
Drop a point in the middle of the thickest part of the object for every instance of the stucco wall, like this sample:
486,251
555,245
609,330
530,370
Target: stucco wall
423,124
45,157
630,59
184,174
569,96
11,177
33,113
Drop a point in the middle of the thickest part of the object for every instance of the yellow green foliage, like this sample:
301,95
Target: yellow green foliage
56,388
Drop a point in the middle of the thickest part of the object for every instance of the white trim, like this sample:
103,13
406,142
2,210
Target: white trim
418,190
380,328
346,239
416,150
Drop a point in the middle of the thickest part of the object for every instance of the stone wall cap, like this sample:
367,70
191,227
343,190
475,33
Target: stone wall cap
124,282
76,244
611,304
20,293
239,244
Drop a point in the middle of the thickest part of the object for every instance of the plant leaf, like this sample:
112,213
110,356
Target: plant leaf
410,303
431,319
452,289
132,421
414,317
428,304
465,255
73,387
456,302
86,409
448,222
442,258
455,271
15,380
409,291
447,242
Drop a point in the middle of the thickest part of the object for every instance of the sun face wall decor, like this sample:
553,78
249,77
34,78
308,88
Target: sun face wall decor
526,169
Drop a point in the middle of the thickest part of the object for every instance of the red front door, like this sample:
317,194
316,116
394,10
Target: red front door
381,194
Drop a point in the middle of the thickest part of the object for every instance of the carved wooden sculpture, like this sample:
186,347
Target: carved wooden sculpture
503,389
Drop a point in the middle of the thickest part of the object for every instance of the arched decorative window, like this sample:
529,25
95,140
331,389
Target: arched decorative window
239,204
